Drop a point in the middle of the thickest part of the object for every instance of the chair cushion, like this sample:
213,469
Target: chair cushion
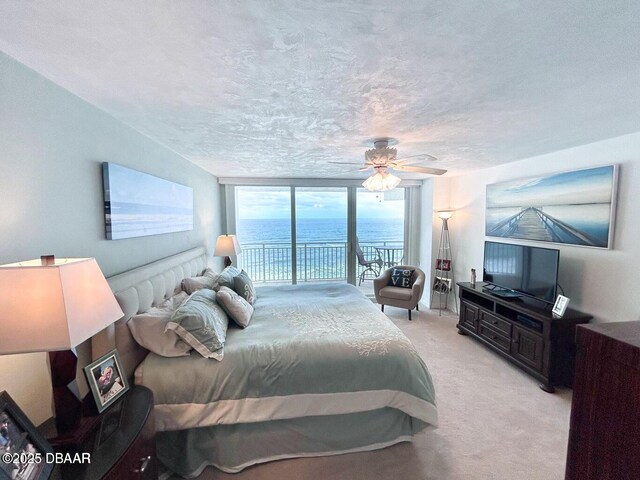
397,293
401,277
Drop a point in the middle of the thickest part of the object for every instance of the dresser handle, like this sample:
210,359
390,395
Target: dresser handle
495,322
145,463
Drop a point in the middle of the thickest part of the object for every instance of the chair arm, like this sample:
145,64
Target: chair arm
382,281
418,287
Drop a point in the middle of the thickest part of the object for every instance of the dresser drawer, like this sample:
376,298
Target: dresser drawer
496,323
495,338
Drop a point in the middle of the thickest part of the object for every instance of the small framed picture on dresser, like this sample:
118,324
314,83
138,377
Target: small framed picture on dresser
107,380
560,306
23,449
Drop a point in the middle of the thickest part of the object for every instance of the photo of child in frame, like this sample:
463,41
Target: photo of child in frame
106,379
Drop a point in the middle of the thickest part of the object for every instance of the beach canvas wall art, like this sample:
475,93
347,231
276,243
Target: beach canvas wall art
575,208
138,204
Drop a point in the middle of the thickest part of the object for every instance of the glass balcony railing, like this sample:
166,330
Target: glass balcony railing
272,262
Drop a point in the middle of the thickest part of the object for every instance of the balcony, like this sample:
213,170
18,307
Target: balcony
316,262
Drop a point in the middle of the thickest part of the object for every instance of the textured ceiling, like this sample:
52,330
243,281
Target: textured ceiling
280,88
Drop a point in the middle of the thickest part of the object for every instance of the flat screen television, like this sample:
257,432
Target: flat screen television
531,271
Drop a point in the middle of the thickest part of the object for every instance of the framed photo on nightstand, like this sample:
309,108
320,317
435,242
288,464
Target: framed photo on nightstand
107,379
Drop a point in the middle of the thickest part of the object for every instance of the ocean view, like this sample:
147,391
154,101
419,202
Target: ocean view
321,246
270,231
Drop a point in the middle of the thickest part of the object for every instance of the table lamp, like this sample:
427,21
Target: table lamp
53,305
227,246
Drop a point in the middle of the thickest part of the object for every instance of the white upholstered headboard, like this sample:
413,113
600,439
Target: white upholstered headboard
138,290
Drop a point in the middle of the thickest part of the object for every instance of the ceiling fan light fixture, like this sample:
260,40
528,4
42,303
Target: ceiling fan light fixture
381,181
380,155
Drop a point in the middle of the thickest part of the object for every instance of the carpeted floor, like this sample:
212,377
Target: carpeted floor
495,423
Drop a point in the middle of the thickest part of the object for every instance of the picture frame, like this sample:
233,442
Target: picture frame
442,264
560,306
441,285
137,204
20,438
106,379
559,202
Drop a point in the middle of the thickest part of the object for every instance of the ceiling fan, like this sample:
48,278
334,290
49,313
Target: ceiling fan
382,158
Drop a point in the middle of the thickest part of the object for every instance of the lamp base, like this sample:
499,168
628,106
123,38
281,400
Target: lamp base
67,406
227,261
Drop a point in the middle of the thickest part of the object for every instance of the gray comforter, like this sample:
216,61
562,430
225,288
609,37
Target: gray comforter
309,350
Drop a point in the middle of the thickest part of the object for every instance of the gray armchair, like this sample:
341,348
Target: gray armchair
397,296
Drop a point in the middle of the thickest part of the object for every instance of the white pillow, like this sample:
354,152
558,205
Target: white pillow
207,280
148,329
236,307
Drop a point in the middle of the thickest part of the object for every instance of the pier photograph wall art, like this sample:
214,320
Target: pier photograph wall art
569,207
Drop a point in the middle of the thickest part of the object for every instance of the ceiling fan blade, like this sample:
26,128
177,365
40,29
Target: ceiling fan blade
430,171
347,163
365,168
420,156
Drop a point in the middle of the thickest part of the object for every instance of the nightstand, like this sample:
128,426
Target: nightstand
121,442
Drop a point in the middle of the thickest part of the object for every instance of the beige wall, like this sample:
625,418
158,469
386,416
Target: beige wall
52,145
598,281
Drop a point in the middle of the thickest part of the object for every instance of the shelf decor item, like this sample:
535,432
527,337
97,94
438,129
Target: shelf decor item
443,278
23,449
52,305
560,306
106,380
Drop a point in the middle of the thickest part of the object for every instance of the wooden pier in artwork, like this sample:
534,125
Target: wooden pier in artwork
534,224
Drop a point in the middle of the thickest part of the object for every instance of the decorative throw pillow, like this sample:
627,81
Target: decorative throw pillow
237,307
207,280
149,327
201,323
401,277
243,286
226,278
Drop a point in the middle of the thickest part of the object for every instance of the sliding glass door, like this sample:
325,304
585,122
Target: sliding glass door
318,234
263,228
321,234
380,233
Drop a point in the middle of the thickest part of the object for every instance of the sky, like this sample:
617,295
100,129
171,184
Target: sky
593,185
320,203
132,186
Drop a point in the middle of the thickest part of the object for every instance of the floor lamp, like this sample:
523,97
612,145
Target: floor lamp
443,282
52,305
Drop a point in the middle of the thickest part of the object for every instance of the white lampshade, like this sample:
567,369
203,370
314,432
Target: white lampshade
381,181
227,246
53,307
445,214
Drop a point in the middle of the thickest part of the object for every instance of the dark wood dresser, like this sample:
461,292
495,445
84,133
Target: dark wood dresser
523,331
604,439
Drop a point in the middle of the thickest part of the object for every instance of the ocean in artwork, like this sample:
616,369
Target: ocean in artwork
138,204
569,207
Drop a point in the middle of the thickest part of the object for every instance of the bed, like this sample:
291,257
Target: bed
319,371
